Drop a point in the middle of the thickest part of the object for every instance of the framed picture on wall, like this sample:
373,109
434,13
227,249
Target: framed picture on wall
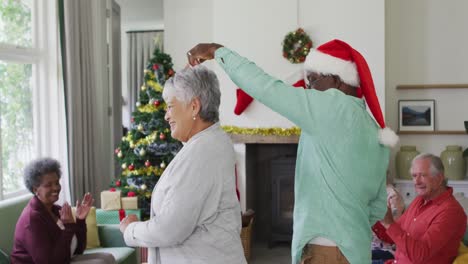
416,115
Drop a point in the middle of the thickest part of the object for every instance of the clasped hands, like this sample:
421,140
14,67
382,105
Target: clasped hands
82,209
126,221
392,201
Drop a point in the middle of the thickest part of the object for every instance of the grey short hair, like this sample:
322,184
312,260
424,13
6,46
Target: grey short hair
196,82
36,169
436,164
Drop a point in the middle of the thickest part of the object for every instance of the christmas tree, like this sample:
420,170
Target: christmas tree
148,147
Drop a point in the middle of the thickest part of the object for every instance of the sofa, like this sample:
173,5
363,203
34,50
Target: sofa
110,237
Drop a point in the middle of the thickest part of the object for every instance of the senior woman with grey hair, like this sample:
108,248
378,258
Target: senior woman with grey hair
47,233
195,215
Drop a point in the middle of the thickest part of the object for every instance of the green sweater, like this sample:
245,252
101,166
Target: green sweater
340,178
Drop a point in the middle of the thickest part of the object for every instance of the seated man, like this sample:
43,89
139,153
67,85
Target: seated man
432,227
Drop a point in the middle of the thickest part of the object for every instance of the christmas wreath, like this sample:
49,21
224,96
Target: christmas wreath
296,46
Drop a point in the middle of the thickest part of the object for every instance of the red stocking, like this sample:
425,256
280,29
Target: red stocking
243,100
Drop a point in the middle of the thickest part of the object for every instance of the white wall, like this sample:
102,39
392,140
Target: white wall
426,44
136,15
256,30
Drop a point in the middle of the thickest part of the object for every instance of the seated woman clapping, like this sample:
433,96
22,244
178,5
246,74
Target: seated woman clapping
47,233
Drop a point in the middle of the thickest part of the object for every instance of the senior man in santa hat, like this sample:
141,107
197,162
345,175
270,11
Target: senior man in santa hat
343,153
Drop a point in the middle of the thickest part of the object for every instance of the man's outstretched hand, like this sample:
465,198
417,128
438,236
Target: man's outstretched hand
202,52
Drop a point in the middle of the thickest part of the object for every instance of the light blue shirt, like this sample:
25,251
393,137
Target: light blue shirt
340,182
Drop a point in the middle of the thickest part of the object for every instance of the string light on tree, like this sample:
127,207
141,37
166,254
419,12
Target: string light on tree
142,152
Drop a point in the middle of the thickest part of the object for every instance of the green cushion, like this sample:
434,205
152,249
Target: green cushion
110,236
10,210
111,217
3,258
122,255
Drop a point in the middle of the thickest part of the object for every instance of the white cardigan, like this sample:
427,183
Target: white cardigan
195,215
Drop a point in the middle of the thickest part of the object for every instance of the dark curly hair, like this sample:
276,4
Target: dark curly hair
34,171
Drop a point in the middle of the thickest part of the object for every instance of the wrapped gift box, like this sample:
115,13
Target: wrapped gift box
110,200
106,217
129,203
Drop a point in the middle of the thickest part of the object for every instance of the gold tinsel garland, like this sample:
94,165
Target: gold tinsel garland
267,131
156,86
143,171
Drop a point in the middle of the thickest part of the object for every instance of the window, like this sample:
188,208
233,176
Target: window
16,124
18,62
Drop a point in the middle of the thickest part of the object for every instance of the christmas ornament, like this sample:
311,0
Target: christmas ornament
140,127
117,150
132,119
120,155
156,103
112,189
162,165
132,145
162,136
118,183
131,167
143,87
147,163
146,71
137,104
296,46
143,187
142,152
155,67
124,166
131,194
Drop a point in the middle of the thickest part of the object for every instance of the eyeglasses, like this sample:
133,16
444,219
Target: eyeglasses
311,83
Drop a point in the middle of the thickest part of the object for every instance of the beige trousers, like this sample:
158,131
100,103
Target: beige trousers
317,254
93,258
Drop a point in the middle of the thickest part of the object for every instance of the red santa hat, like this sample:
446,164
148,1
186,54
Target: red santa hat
338,58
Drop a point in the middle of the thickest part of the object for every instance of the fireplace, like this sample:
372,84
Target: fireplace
270,190
282,198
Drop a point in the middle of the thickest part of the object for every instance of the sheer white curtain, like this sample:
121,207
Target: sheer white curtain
49,106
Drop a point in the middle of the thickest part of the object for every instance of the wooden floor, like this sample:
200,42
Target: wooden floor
279,254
